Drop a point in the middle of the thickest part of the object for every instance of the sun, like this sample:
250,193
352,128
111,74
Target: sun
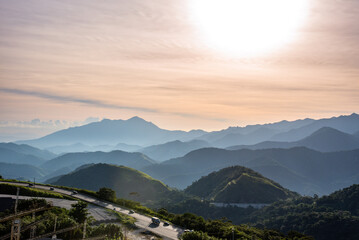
247,28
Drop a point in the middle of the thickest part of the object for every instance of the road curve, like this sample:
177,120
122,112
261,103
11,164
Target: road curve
142,221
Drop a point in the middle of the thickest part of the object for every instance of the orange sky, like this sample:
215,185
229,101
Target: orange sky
69,60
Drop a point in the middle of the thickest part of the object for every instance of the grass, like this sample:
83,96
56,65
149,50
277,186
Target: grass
125,220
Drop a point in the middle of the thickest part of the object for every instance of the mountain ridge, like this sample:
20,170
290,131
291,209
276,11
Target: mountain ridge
134,131
314,172
325,139
173,149
75,160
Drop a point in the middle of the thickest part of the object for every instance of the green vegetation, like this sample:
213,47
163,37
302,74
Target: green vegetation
332,217
128,183
238,185
79,211
197,236
205,209
223,229
106,194
211,229
64,219
125,220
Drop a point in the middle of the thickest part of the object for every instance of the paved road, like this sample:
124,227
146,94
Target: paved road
144,222
98,213
63,203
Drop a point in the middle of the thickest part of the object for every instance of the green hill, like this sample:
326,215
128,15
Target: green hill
127,182
238,185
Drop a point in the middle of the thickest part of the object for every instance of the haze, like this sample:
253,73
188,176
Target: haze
68,60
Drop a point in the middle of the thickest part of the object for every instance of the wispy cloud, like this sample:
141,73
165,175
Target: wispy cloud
153,54
96,103
47,124
35,128
101,104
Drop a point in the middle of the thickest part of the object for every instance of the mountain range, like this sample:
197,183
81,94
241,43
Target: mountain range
23,154
284,131
178,158
173,149
299,169
325,139
134,131
28,150
80,147
21,171
72,161
347,124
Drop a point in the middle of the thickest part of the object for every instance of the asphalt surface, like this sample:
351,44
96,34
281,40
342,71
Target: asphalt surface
98,213
144,222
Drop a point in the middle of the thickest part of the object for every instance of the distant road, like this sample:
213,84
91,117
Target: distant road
144,222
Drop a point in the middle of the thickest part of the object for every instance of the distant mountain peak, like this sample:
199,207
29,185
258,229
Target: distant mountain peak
106,120
136,118
326,130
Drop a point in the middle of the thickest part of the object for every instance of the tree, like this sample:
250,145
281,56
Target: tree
79,211
106,194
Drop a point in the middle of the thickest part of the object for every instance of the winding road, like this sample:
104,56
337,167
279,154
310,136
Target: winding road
142,221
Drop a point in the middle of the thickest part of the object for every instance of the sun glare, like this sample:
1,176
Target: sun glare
246,28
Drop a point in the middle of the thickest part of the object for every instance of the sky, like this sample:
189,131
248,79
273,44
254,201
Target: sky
66,63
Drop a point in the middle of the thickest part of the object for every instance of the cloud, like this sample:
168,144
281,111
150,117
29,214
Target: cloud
100,104
35,128
49,124
92,102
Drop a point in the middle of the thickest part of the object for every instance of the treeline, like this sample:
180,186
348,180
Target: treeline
224,229
332,217
200,227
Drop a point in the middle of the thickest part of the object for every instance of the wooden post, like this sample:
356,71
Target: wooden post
15,229
33,228
84,232
17,198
